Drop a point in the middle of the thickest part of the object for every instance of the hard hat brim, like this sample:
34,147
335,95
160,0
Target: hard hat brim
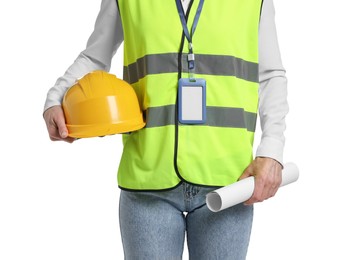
95,130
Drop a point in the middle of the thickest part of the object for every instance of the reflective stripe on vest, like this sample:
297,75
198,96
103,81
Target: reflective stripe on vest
165,152
206,64
217,116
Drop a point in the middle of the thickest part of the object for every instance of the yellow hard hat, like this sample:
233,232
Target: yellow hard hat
100,104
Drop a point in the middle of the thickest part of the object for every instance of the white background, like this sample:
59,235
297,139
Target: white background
60,201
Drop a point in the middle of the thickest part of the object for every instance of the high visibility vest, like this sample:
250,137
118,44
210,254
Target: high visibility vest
166,152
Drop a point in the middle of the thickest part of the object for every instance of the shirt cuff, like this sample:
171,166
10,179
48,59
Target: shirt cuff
271,148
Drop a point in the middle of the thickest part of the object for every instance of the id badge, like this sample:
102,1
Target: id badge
192,101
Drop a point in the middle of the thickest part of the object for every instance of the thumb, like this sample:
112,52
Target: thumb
247,173
62,128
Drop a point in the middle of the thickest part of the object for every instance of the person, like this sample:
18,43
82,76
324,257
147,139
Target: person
168,167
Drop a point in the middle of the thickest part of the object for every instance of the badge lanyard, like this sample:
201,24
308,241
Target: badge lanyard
189,36
191,91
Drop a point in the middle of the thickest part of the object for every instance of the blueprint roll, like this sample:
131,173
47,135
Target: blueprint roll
241,191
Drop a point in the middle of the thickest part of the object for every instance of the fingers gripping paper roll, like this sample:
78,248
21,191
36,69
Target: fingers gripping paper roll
241,191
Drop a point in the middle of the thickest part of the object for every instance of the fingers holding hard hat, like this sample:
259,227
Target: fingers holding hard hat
268,177
56,126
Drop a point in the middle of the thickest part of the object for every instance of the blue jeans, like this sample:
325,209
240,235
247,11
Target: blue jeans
153,226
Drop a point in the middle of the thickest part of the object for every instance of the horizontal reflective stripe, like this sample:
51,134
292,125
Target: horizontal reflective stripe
224,66
160,116
220,65
216,116
231,117
151,64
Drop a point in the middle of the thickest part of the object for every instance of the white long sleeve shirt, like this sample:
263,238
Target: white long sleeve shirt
273,107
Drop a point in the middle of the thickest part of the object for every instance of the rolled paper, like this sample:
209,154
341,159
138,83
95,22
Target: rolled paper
242,190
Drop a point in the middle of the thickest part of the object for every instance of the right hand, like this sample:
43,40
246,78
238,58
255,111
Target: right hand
56,126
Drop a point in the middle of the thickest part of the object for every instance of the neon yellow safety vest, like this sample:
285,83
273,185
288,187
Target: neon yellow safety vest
165,152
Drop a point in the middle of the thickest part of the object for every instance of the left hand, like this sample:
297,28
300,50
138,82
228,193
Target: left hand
268,177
